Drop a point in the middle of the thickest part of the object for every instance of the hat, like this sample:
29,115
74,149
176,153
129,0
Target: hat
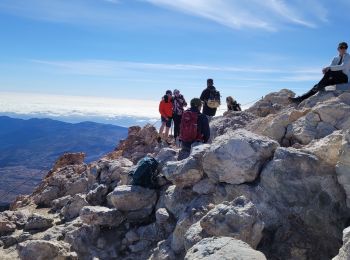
210,81
168,92
176,91
343,45
196,102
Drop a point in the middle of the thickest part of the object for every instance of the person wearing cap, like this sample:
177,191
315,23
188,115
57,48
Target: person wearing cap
337,72
166,113
209,112
200,126
179,103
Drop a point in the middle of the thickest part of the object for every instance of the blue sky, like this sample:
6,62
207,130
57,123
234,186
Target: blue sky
136,49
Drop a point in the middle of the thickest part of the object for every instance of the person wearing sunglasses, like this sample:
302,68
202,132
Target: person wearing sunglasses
337,72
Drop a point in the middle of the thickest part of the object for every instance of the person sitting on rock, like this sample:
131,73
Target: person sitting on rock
232,104
166,113
337,72
194,128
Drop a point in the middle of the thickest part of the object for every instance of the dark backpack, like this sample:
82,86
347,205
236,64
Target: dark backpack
145,173
189,126
214,99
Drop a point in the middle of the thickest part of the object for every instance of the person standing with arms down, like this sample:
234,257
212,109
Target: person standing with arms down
194,128
166,113
337,72
211,98
179,103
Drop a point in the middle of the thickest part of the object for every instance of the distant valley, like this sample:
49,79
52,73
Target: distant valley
28,148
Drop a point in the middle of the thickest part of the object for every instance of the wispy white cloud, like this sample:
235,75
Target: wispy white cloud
237,14
112,68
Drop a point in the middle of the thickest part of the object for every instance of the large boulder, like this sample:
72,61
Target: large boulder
38,222
137,201
343,166
74,205
176,199
271,103
275,126
102,216
113,172
215,248
184,173
326,149
6,226
299,195
239,219
231,120
237,157
344,251
42,250
98,195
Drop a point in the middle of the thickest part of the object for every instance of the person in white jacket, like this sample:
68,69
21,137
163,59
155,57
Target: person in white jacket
336,73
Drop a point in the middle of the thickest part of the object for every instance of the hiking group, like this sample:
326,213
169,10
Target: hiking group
191,127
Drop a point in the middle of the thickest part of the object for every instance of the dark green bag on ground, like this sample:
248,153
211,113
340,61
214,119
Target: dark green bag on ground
145,173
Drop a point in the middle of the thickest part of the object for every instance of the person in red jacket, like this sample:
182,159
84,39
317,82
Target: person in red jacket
166,114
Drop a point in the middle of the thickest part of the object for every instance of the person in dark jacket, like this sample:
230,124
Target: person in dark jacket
209,112
179,103
232,104
338,72
203,130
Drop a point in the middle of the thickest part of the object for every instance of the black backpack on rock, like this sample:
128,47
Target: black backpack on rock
145,173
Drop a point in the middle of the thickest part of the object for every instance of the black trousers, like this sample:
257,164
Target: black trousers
177,124
329,78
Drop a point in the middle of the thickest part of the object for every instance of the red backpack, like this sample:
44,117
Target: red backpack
189,127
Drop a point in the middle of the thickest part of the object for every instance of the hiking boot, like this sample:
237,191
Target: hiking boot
296,100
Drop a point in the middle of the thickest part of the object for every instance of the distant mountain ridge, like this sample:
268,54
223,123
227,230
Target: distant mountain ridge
36,143
28,148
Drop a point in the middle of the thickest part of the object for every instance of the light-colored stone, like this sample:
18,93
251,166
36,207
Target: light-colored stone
183,173
217,248
327,149
344,251
130,198
38,222
73,207
205,186
176,200
6,226
162,215
102,216
44,250
98,195
237,157
239,219
343,166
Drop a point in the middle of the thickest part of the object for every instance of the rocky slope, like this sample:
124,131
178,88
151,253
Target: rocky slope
273,184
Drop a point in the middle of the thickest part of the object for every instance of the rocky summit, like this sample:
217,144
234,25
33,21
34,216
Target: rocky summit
273,183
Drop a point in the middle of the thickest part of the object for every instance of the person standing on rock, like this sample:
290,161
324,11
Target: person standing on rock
166,113
179,103
194,128
211,98
232,104
337,72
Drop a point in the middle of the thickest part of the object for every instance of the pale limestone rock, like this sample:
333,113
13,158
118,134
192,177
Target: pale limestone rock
38,222
239,219
42,250
343,166
102,216
237,157
217,248
183,173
